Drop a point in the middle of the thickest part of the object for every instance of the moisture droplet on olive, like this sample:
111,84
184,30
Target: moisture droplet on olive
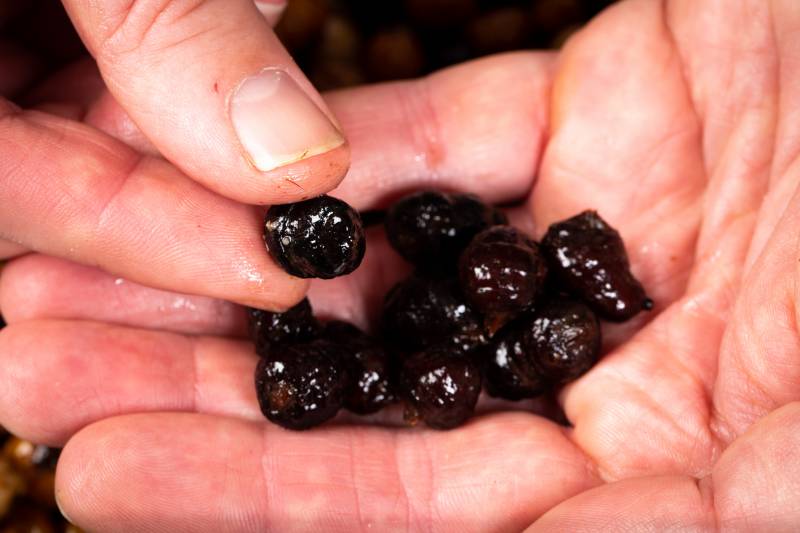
430,229
318,238
441,387
420,312
301,385
268,329
589,259
501,273
368,366
564,339
509,369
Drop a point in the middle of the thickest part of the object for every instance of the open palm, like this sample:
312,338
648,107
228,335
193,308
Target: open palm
677,120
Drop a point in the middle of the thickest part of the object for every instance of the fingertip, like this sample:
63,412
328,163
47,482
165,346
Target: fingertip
82,471
285,136
306,179
19,291
19,394
279,297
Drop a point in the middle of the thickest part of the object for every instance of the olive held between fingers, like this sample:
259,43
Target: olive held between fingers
301,385
318,238
589,259
268,329
369,368
441,387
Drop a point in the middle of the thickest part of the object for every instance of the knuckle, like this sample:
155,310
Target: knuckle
149,26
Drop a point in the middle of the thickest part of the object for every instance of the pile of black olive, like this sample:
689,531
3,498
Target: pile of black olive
486,306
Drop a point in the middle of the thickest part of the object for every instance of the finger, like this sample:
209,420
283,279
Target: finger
756,482
108,116
39,286
104,371
477,127
331,479
665,503
143,220
10,249
258,132
753,487
80,87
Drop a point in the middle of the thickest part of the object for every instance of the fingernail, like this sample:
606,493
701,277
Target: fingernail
272,11
277,123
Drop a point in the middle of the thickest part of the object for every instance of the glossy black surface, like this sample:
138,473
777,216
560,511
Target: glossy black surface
440,387
268,329
369,368
589,259
420,312
430,229
301,385
502,271
318,238
563,338
509,369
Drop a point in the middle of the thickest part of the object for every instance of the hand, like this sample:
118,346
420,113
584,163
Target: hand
206,85
675,120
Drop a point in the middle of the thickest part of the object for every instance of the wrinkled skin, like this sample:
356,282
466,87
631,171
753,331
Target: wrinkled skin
678,119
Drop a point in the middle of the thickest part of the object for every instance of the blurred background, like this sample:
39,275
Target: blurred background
338,43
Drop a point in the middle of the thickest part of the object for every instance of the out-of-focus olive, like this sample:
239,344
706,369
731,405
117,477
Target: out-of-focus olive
395,54
499,30
301,23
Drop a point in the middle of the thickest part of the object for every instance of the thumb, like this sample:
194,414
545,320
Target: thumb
208,82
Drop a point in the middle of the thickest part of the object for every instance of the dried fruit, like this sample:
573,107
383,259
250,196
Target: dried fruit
301,385
501,273
421,312
589,259
318,238
441,387
368,366
509,369
268,329
431,229
564,337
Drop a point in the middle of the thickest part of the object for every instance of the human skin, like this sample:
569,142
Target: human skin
676,120
201,80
